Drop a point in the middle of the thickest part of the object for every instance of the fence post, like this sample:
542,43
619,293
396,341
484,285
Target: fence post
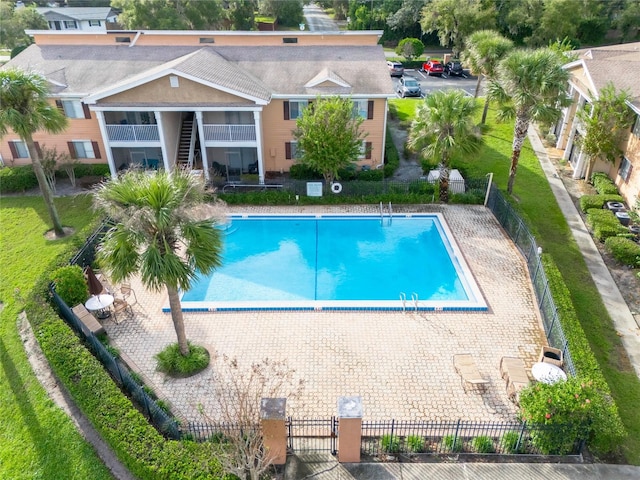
349,429
274,432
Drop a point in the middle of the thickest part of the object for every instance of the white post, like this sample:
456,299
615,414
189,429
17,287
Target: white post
486,197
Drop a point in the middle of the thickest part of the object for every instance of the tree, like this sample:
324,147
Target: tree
530,85
170,14
288,12
444,128
162,230
26,110
405,20
13,23
454,20
241,14
485,49
518,19
238,396
328,136
410,48
606,125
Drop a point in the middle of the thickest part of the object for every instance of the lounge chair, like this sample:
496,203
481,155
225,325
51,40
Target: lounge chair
466,367
515,374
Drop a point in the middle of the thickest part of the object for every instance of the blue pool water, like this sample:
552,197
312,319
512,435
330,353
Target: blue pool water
337,262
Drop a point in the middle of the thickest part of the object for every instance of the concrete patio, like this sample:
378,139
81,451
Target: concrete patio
399,362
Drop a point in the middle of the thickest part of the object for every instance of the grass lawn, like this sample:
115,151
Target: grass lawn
37,439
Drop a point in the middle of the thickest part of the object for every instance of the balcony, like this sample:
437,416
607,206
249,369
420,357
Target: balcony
229,133
133,133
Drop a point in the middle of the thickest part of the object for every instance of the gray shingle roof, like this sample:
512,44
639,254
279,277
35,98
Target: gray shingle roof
259,71
77,13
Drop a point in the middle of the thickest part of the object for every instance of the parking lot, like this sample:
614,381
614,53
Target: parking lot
429,84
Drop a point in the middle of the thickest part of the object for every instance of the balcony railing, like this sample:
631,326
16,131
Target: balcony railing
229,133
133,133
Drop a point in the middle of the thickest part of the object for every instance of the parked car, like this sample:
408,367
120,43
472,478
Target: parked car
454,67
433,67
395,69
409,87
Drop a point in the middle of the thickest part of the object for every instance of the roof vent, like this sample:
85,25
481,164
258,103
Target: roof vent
173,81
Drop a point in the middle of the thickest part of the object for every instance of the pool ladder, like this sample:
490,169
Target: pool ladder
414,299
382,214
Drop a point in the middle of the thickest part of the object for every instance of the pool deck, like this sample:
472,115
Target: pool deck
399,362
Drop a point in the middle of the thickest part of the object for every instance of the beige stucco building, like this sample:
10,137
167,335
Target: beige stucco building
221,102
592,71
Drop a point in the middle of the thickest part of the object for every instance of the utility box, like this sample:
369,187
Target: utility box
314,189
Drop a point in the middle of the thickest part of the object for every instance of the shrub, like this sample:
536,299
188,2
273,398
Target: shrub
92,170
509,443
391,157
71,285
588,202
451,443
604,224
299,171
483,444
173,363
17,179
415,443
348,173
371,175
603,184
624,250
390,443
410,48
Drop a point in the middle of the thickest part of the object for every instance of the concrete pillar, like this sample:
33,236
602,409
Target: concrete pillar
349,429
274,432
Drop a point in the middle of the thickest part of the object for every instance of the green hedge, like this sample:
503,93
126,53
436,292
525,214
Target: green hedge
607,428
624,250
604,224
597,201
391,157
17,179
603,184
137,444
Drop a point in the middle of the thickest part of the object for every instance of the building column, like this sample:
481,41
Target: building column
349,429
163,142
203,147
257,117
274,431
105,140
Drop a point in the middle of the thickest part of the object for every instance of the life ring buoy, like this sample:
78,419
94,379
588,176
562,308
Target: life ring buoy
336,187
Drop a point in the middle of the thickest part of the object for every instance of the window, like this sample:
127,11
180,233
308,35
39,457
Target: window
83,149
289,40
70,25
73,108
625,169
94,23
363,108
365,150
293,109
207,40
123,39
636,127
291,150
19,149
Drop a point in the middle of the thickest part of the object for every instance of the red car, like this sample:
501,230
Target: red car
433,67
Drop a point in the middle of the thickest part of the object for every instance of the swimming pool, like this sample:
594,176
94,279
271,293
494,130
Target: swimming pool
337,262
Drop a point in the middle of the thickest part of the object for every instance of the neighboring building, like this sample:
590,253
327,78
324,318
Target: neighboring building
594,69
222,102
78,18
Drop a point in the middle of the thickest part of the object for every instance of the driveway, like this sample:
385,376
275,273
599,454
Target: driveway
317,20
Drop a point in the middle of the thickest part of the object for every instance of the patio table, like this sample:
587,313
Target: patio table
547,373
100,304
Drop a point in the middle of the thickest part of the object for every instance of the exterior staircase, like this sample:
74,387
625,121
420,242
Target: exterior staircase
186,146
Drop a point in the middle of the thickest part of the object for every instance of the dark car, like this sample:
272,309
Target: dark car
454,67
409,87
395,69
433,67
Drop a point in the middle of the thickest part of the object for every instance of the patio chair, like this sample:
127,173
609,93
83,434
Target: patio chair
127,292
552,355
466,367
515,374
120,307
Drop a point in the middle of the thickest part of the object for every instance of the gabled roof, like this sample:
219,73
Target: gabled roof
327,76
76,13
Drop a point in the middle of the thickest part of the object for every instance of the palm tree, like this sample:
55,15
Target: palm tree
25,110
485,49
530,85
444,128
163,230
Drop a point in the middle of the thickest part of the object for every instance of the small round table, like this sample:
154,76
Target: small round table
100,304
547,373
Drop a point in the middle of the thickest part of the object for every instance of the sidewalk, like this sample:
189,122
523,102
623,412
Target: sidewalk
623,321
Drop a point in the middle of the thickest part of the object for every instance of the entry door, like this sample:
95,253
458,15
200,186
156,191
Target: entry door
234,166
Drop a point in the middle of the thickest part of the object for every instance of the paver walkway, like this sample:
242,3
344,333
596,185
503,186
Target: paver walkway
400,363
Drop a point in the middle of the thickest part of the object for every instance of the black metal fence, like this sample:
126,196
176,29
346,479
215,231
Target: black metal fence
312,435
212,432
453,437
526,243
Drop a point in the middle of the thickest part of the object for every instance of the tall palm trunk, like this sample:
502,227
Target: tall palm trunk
477,92
178,319
45,189
519,135
444,183
484,111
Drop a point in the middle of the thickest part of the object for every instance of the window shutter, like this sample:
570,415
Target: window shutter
14,150
286,110
367,150
287,150
96,149
72,150
370,110
38,149
59,105
87,112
